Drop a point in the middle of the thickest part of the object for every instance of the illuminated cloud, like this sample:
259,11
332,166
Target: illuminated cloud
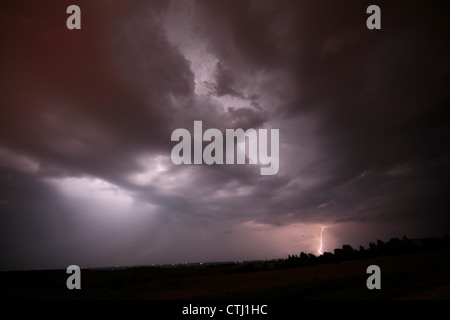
18,162
86,120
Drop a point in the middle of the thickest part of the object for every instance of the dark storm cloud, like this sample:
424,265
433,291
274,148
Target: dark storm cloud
380,97
224,82
90,100
86,120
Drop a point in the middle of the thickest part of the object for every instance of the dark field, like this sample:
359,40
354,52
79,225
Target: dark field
423,275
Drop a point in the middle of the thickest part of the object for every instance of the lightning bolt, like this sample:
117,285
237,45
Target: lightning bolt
321,241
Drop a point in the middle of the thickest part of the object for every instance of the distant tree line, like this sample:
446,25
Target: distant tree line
394,246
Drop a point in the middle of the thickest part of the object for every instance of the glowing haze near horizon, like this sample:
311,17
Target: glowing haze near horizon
86,119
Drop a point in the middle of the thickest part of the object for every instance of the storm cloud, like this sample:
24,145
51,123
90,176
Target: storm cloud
86,118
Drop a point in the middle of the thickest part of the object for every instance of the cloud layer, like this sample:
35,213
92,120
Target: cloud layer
86,120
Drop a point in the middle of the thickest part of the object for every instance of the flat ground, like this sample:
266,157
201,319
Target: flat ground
413,276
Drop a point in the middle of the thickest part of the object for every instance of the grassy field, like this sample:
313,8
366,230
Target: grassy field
411,276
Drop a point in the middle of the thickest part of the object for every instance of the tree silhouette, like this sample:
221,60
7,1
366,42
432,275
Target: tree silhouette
395,246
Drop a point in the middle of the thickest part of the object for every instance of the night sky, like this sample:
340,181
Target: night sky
86,118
